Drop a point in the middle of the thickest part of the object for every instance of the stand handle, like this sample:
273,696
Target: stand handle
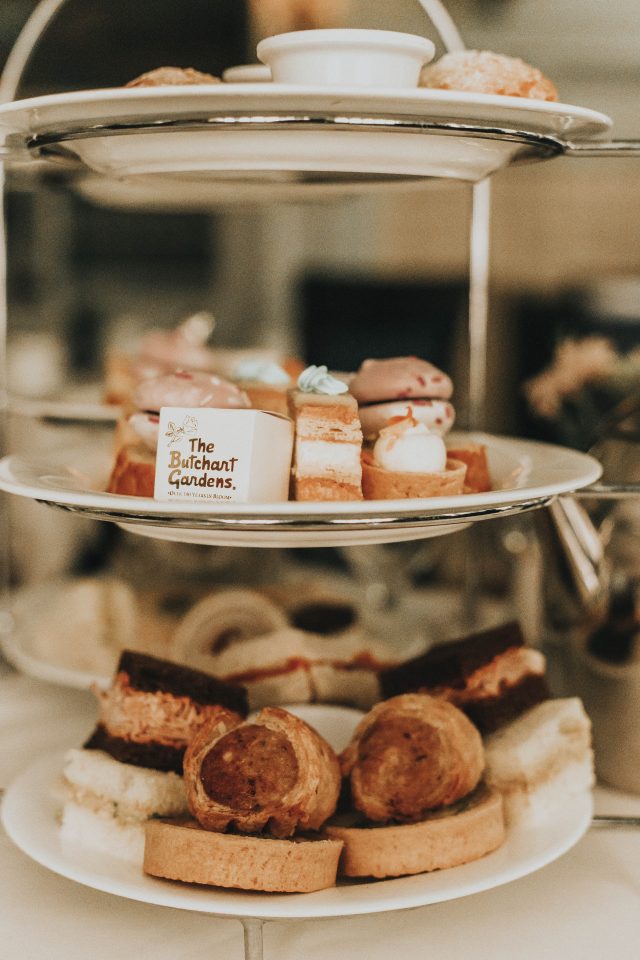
608,491
614,148
24,46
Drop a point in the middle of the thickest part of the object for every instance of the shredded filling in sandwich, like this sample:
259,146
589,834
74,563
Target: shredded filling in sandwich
154,707
492,676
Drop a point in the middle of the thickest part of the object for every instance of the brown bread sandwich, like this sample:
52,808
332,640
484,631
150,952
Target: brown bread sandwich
130,769
154,707
492,675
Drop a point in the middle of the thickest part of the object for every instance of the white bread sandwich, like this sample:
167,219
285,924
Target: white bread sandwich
541,761
317,651
107,802
296,666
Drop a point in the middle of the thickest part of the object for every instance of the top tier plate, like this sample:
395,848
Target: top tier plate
292,135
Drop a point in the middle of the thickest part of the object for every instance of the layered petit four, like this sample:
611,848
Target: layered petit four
408,460
389,388
328,438
266,384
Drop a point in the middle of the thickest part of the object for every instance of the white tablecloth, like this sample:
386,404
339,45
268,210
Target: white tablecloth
585,906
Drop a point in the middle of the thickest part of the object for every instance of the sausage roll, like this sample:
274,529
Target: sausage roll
272,773
409,755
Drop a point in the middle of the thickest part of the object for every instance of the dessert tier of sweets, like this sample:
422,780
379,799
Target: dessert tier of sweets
178,778
377,434
472,71
189,346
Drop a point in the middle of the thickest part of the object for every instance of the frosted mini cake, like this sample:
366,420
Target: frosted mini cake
328,438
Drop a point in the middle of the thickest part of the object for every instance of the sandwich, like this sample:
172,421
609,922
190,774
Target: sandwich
492,675
130,768
153,708
542,761
316,651
107,802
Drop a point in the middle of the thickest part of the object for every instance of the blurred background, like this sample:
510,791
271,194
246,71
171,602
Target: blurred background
565,251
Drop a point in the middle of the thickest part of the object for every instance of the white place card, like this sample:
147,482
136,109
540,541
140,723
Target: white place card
206,454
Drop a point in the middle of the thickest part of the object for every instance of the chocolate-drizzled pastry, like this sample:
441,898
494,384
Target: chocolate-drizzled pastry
492,676
274,773
154,707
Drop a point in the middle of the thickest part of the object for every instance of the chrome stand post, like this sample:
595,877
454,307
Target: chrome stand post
253,943
478,321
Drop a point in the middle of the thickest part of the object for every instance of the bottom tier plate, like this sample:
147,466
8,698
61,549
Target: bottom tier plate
30,811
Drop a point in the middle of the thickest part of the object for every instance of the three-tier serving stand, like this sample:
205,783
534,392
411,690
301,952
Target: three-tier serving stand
129,145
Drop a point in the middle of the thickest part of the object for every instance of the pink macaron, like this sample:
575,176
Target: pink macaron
189,388
390,388
437,415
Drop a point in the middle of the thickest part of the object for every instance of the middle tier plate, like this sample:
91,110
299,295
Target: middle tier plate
525,475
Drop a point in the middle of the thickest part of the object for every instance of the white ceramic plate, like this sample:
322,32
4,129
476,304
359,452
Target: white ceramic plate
24,635
331,151
83,404
30,810
525,474
89,107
